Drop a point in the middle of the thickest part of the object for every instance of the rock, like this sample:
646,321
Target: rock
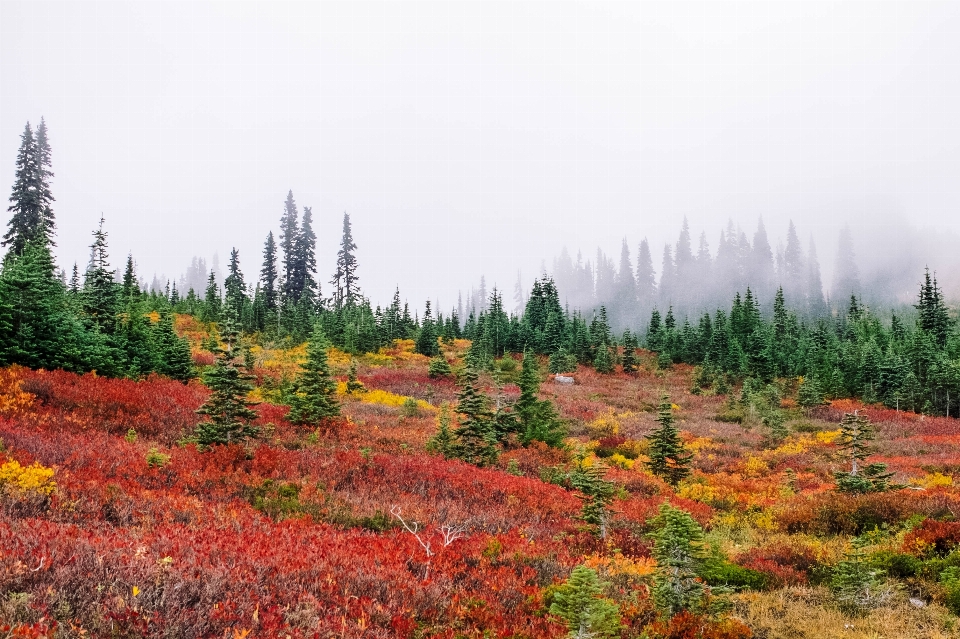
562,379
919,603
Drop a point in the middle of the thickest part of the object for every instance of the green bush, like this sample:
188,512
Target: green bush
717,571
896,564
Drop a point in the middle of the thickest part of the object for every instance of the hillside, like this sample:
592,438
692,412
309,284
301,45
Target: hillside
110,527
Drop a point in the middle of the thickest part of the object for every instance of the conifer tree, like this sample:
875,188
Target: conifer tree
26,223
603,362
597,493
579,602
809,395
173,352
212,301
345,281
678,549
289,230
131,288
235,289
439,367
426,343
668,457
629,352
443,441
268,273
476,440
856,433
315,391
44,196
101,295
538,419
228,411
304,283
932,315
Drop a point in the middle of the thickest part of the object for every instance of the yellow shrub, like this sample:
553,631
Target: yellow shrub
606,424
617,565
755,467
13,400
827,436
620,461
385,398
934,480
34,479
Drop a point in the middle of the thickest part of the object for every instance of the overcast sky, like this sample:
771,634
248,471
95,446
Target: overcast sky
480,137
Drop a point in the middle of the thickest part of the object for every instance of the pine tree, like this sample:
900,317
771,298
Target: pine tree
173,352
439,367
212,302
101,295
603,362
856,433
809,395
596,493
304,283
668,457
131,288
629,352
581,606
26,224
443,441
268,273
345,281
228,411
857,584
315,396
679,551
932,315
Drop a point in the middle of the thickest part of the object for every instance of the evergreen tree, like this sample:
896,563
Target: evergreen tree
538,419
212,301
268,273
228,411
603,362
131,288
668,457
304,284
846,278
173,352
439,367
235,289
289,230
629,352
932,315
345,281
315,390
857,584
596,493
443,441
476,440
679,551
646,278
44,196
101,295
809,394
856,433
426,343
26,224
581,606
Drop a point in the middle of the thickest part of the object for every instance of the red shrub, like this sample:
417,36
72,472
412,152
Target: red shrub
933,537
686,625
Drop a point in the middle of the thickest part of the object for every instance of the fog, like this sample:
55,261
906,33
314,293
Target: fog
480,138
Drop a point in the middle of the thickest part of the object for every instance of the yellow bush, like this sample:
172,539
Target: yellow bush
606,424
755,467
13,400
827,436
620,461
33,479
385,398
934,480
618,564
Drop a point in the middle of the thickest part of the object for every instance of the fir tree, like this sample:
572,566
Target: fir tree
131,289
857,583
596,493
289,230
173,352
100,292
304,284
581,606
345,281
228,411
629,352
476,440
235,289
603,362
809,395
212,301
268,273
44,196
444,441
856,434
26,223
315,390
668,457
439,367
538,419
678,549
426,343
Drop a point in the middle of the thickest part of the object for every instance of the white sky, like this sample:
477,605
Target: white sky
480,137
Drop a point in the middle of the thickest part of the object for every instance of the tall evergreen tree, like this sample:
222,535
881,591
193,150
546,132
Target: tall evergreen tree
538,419
426,343
289,230
26,224
45,197
173,352
212,300
646,278
932,315
235,289
679,550
345,280
476,440
268,273
304,284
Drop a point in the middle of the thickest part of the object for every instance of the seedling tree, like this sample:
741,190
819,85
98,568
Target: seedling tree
596,492
581,606
679,551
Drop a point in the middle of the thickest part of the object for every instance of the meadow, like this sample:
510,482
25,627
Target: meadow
112,525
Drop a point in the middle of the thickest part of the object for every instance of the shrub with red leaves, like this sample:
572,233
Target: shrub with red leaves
687,625
933,538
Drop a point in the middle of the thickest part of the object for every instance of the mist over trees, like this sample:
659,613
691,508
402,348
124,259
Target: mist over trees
692,276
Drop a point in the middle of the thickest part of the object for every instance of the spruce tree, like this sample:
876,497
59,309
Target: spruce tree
856,433
629,352
668,457
579,602
212,303
303,284
228,411
173,352
235,289
426,343
603,362
439,367
345,281
26,224
289,230
315,390
44,196
268,273
596,493
101,295
131,288
679,551
476,440
538,419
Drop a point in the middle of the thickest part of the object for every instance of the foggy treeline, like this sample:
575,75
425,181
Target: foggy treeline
691,276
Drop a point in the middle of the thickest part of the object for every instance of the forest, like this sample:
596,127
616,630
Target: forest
620,456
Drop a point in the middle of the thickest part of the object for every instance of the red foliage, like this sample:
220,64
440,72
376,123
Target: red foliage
783,564
931,536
